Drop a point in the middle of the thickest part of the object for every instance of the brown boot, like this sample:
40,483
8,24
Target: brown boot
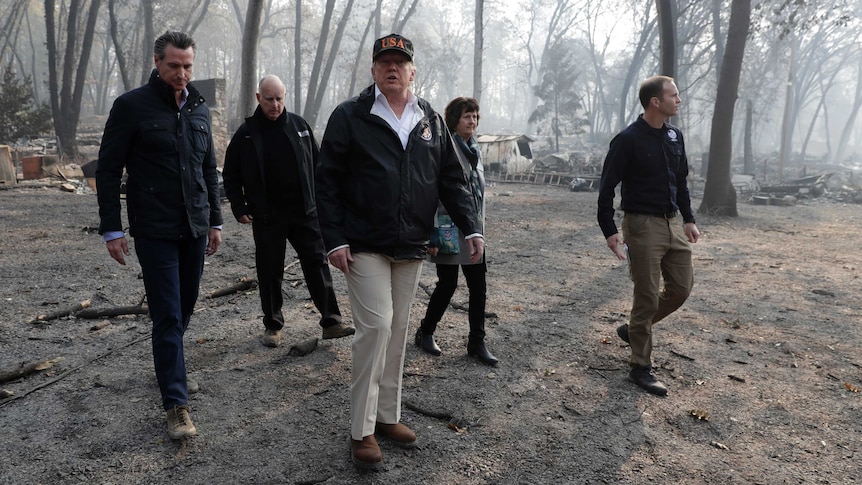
180,423
397,433
366,454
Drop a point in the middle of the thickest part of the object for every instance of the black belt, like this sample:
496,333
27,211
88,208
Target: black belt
663,215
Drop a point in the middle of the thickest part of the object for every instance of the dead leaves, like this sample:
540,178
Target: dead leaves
457,429
47,364
700,414
851,387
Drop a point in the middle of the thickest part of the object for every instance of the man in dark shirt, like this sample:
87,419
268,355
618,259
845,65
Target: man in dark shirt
648,158
269,179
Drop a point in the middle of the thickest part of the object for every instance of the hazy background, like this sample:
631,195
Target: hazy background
803,66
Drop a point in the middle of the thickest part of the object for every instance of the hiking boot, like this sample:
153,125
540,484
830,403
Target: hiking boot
271,338
180,423
338,330
623,333
397,433
644,377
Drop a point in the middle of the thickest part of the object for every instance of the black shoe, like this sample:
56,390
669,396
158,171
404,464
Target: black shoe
478,350
425,341
643,377
623,332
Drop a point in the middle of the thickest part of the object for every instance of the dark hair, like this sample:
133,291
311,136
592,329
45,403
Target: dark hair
180,40
456,108
652,87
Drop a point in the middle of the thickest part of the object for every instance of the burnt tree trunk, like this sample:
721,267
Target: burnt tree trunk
667,37
719,196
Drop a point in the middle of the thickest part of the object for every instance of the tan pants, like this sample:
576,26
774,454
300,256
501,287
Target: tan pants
658,249
381,292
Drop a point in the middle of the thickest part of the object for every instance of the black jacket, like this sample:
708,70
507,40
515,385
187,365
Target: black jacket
652,166
245,182
378,197
172,189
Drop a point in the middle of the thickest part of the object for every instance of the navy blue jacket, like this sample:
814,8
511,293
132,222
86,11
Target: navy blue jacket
172,187
652,166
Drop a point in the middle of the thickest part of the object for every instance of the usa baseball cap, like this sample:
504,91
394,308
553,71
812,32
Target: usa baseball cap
393,42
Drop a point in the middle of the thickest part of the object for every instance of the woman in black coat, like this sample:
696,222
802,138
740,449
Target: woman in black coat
462,118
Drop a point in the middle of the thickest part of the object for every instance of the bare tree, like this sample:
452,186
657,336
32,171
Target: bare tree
250,36
398,22
66,97
562,19
318,59
323,63
716,34
806,28
748,148
101,70
478,48
719,195
11,24
362,48
330,61
147,40
297,59
856,105
118,47
190,26
647,34
667,36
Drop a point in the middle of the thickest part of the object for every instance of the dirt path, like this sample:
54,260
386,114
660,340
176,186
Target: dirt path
776,305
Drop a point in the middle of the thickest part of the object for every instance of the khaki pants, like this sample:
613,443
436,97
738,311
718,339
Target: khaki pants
658,249
381,292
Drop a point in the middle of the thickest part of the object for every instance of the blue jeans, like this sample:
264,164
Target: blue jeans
172,274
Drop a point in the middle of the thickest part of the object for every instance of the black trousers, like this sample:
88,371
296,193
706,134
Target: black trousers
447,282
270,242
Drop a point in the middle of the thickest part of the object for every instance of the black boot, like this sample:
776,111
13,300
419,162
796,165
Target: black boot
476,348
425,341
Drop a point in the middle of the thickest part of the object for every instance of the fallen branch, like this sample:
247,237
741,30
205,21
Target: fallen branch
433,414
683,356
244,284
61,313
116,311
27,369
70,371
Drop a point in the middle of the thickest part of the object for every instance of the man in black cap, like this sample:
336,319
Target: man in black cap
385,160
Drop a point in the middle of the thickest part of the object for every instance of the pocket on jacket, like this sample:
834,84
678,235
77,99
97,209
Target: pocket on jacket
157,137
200,136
